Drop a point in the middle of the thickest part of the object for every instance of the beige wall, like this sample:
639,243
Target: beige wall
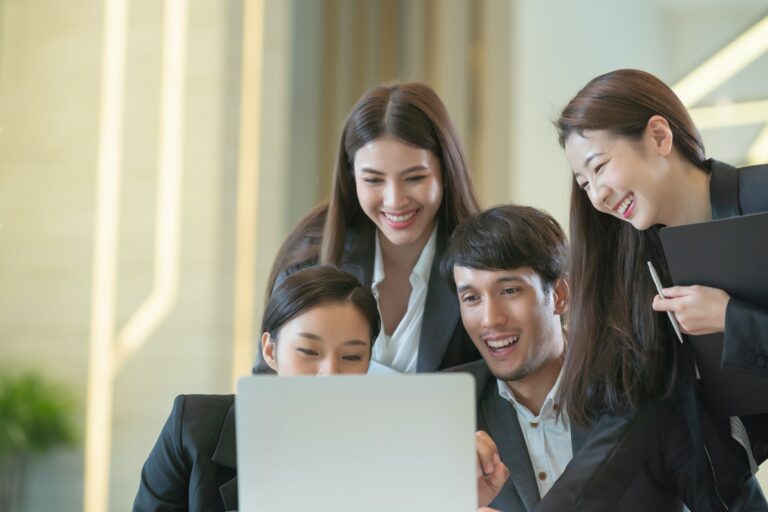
49,113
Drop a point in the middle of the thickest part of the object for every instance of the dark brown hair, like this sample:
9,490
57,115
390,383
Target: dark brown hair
313,287
621,353
506,237
300,248
412,113
408,111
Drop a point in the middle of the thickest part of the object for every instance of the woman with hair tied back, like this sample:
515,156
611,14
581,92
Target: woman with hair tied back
638,164
400,185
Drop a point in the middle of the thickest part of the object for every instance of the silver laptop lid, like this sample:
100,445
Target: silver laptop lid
356,443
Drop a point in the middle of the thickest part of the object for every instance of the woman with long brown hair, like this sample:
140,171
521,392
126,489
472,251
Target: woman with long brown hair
638,164
401,184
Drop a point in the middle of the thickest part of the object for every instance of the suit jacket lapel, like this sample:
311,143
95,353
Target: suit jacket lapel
226,455
441,314
504,428
724,190
578,437
441,310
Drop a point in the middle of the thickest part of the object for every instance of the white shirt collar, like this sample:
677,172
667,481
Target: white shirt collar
421,270
547,408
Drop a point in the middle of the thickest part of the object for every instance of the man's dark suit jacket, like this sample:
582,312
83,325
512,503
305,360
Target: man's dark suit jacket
497,416
193,464
443,342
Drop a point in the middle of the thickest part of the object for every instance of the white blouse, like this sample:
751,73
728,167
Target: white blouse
400,350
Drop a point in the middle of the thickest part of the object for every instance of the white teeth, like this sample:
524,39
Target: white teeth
625,204
497,344
400,218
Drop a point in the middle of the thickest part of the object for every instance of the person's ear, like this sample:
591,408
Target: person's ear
561,294
268,348
660,133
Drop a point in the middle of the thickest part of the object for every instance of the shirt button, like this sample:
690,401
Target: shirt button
555,407
534,424
542,476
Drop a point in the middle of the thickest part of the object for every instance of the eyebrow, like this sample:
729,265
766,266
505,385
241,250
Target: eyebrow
315,337
409,170
590,158
501,280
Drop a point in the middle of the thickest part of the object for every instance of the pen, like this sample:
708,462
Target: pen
659,288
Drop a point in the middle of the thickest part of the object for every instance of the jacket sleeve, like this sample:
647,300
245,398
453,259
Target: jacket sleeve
164,485
745,343
654,444
610,460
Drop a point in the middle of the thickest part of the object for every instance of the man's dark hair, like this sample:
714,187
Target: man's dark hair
507,237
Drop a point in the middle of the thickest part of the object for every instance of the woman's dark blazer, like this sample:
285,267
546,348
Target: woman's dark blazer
193,465
443,342
615,452
735,192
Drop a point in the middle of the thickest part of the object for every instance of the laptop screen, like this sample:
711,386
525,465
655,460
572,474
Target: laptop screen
356,443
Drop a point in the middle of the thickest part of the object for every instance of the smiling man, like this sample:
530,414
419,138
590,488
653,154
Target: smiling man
508,267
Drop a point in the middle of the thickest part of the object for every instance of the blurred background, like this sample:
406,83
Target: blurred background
153,155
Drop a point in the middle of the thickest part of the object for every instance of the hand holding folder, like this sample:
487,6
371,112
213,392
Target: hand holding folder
696,310
660,290
730,255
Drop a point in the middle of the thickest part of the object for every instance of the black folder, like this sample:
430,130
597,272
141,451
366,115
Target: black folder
730,254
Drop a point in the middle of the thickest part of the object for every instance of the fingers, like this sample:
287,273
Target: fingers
667,304
491,472
499,475
698,309
487,453
678,291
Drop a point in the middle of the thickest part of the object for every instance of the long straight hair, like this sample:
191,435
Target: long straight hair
414,114
621,353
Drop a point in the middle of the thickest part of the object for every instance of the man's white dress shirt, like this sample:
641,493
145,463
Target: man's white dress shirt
548,438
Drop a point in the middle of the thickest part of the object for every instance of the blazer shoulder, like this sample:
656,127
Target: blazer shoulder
182,452
209,403
201,413
753,188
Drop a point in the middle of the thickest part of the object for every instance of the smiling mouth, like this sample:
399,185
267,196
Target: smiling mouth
498,344
401,218
624,207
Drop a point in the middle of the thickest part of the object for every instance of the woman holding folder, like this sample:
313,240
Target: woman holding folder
401,184
638,163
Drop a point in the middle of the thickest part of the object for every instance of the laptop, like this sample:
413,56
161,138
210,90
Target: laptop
356,443
730,254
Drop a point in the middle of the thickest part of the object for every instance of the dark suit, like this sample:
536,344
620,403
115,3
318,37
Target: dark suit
497,416
706,478
193,465
735,192
443,342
